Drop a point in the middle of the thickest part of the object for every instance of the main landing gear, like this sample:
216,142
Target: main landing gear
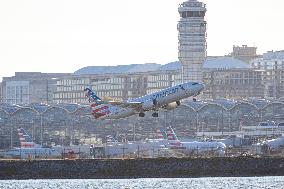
178,103
141,114
155,114
155,103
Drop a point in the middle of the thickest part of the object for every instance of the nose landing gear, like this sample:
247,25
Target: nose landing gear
141,114
155,114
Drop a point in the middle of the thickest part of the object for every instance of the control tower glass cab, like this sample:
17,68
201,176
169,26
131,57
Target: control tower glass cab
192,39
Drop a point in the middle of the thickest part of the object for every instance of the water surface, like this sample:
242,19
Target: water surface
157,183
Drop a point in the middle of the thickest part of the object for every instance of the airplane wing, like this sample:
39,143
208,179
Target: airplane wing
126,104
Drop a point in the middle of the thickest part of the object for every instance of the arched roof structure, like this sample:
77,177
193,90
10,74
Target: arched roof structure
227,105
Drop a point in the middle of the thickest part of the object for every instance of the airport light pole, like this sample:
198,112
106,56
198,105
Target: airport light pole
197,121
229,120
41,130
11,135
134,131
123,151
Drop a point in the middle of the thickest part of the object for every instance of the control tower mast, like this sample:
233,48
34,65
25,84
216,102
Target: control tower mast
192,39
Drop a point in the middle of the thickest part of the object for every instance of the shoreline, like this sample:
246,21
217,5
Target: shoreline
142,168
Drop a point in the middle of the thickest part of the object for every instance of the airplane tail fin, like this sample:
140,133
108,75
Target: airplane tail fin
161,133
92,95
25,140
172,137
100,109
110,139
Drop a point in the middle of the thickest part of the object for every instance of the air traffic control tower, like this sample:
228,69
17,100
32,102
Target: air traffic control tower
192,39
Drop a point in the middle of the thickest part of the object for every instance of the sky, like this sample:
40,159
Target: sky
62,36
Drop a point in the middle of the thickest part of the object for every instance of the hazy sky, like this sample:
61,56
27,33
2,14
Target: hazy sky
65,35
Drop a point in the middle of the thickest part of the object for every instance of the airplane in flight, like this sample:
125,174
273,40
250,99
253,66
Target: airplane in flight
29,149
169,98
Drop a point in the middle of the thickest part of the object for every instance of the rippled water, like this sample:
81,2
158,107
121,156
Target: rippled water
158,183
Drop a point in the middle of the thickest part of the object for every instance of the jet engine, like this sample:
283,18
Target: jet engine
171,106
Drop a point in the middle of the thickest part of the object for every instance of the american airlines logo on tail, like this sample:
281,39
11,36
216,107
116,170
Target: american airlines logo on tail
25,140
92,95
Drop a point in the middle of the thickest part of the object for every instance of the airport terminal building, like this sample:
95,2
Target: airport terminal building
224,77
65,124
64,119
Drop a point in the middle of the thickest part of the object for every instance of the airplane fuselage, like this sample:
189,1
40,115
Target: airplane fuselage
157,100
31,152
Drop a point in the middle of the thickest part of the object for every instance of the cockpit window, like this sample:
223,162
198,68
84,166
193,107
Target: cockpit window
194,83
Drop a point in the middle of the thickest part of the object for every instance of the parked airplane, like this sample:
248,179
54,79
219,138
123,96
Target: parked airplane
267,125
195,146
148,147
29,149
269,146
168,98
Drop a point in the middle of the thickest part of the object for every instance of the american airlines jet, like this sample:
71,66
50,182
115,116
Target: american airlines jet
195,146
29,149
168,98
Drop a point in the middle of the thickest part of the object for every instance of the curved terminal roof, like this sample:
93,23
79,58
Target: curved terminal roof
225,63
210,63
227,105
132,68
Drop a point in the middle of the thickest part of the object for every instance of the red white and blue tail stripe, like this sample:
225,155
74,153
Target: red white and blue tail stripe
172,138
100,110
161,134
25,139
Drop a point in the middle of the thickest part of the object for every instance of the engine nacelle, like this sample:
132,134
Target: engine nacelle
171,106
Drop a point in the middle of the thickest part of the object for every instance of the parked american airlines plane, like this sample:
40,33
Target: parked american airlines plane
29,149
168,98
195,146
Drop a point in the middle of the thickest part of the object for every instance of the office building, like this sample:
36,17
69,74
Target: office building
29,87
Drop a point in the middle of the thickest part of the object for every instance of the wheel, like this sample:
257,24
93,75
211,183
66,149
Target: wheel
155,114
178,103
155,102
194,99
141,114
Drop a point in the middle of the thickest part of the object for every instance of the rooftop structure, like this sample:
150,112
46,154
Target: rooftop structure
244,53
62,124
209,63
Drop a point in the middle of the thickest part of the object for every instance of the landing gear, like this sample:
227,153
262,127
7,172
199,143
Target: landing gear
141,114
155,102
155,114
194,99
178,103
